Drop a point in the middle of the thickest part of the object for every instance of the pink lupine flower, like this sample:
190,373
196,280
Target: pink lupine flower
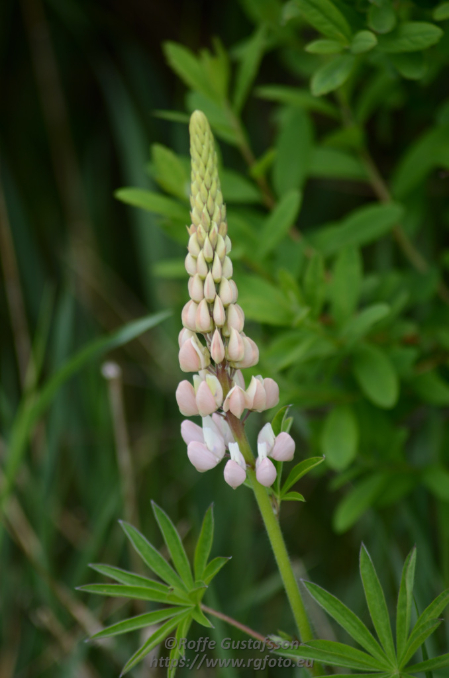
284,447
235,469
186,399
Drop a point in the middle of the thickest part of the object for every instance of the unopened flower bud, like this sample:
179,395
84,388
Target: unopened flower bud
202,319
205,400
272,391
196,288
227,268
265,472
221,248
215,388
223,229
213,437
251,354
190,264
208,250
235,317
194,246
213,235
196,216
266,437
188,315
255,396
234,474
201,457
239,379
219,312
217,350
235,348
209,288
217,269
224,428
205,219
201,265
185,397
184,335
201,235
235,292
226,292
228,244
191,432
190,359
235,401
284,447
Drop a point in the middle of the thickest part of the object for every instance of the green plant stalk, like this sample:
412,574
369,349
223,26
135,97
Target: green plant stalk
275,536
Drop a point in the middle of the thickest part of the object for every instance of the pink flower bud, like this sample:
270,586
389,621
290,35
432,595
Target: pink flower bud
234,474
226,292
239,379
185,397
235,401
223,427
209,288
188,315
221,248
201,457
213,235
265,471
235,292
194,246
190,264
266,437
208,250
255,396
250,355
235,349
201,235
235,317
201,265
284,447
272,391
202,319
189,359
217,350
215,387
228,244
219,312
217,270
227,268
191,431
205,400
196,290
185,335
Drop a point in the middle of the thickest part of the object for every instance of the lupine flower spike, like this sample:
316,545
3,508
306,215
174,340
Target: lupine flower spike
213,343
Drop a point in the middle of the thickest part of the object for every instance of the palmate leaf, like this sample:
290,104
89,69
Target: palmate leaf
299,471
204,543
405,600
334,654
419,637
174,545
137,592
125,577
139,622
430,664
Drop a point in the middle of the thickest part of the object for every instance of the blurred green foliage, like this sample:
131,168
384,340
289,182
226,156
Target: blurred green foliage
333,124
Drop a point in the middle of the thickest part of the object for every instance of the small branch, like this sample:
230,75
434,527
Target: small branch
235,623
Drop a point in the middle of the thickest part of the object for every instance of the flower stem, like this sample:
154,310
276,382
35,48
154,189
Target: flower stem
233,622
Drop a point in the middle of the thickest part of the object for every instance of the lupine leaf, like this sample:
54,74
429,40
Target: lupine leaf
326,18
152,557
315,283
346,283
278,419
139,622
213,568
353,659
279,222
293,151
411,36
340,437
152,202
382,17
347,620
154,640
332,75
417,638
363,41
361,324
263,301
137,592
358,500
335,164
433,610
189,68
204,543
405,599
376,376
376,603
169,171
125,577
174,545
300,470
292,496
349,652
249,65
201,618
294,96
430,664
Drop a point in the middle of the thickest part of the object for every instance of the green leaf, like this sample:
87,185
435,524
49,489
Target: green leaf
264,302
216,114
432,388
358,500
361,324
430,664
340,437
125,577
381,16
170,269
204,543
187,67
151,557
294,96
153,202
376,376
376,603
332,75
134,592
346,283
174,545
213,568
405,600
333,654
279,419
326,18
436,479
315,283
237,188
433,610
292,496
300,470
138,622
361,227
411,36
335,164
249,65
363,41
441,12
279,222
155,639
417,638
411,65
293,152
324,47
346,619
170,171
201,618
